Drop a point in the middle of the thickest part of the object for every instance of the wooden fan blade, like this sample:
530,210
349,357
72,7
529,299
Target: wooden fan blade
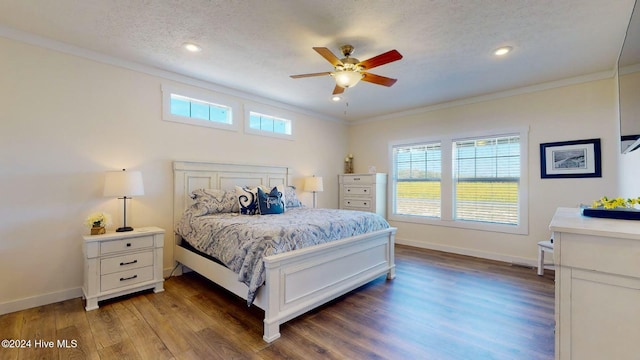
389,56
338,90
309,75
377,79
327,54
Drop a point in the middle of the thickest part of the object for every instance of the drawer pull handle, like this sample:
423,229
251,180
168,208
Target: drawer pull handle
129,278
356,179
348,190
128,244
128,263
365,204
364,190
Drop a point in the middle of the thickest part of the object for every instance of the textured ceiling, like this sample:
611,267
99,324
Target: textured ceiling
253,46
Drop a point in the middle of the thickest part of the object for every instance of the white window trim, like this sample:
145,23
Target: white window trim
204,95
446,185
268,111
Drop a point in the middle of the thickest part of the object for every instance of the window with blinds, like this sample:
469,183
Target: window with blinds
486,179
418,170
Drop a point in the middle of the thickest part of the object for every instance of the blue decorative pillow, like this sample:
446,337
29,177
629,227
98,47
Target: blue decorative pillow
270,203
248,200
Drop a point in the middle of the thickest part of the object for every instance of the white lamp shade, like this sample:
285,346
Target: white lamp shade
312,184
123,183
347,78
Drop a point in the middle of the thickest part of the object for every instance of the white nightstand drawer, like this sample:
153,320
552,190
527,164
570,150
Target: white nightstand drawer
115,246
126,262
359,179
356,204
125,278
357,190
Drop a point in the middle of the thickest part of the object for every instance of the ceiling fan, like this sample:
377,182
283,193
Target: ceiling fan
349,71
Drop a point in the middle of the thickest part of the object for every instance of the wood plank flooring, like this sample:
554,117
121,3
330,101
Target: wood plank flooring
440,306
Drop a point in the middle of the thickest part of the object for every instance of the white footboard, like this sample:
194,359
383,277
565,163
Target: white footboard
301,280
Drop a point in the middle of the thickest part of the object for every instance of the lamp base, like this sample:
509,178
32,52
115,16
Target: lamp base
124,228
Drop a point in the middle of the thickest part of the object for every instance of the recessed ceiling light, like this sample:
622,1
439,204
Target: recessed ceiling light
336,98
192,47
503,50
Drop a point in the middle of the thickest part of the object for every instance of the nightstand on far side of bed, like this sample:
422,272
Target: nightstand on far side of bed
121,263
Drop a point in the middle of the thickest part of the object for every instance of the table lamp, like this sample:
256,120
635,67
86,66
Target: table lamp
313,184
123,185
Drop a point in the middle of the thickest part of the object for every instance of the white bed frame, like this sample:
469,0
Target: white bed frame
296,281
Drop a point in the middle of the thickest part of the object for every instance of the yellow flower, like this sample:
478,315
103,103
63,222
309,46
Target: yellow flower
618,202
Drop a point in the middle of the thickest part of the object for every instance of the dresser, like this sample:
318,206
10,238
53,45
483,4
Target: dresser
597,286
121,263
364,192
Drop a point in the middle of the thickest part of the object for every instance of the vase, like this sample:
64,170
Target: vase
97,230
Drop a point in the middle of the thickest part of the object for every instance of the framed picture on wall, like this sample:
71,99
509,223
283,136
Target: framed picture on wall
571,159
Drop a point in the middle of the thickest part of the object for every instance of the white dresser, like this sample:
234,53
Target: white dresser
597,286
364,192
120,263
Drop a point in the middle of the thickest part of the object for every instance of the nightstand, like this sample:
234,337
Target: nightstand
121,263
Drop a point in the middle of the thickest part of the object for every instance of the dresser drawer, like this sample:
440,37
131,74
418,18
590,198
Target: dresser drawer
603,254
359,179
114,246
357,190
125,278
356,204
126,262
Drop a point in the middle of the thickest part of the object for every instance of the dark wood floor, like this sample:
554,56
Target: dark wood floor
440,306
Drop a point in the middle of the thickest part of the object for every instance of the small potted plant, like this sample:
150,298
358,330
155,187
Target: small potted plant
97,222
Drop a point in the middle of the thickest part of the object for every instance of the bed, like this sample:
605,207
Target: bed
295,281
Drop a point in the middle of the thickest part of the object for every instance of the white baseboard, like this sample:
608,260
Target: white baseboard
470,252
39,300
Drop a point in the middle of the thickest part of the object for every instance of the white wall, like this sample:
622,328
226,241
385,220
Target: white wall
573,112
65,120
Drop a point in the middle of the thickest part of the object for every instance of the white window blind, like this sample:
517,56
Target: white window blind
486,179
418,171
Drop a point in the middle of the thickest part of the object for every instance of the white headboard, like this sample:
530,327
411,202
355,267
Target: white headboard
191,175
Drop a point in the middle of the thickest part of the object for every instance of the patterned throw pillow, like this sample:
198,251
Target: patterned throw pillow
247,199
213,201
291,199
270,203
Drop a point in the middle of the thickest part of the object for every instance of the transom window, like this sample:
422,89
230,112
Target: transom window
199,107
269,123
476,182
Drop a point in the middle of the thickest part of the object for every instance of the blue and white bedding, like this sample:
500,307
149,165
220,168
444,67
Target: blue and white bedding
241,241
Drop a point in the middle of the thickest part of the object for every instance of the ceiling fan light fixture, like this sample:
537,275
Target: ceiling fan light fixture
346,78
